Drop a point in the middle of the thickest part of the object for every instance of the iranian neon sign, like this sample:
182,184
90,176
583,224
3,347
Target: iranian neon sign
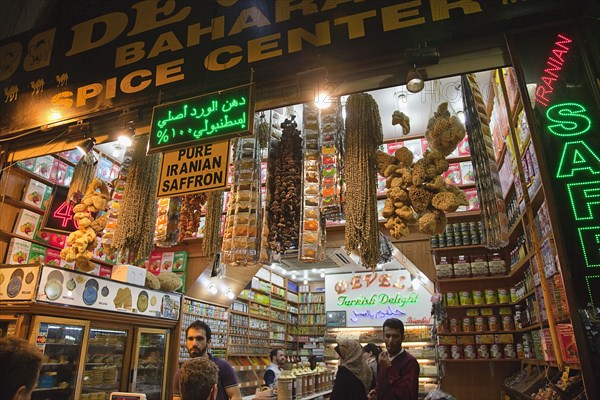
554,64
208,118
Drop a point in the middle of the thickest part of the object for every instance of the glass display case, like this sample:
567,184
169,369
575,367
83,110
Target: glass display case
103,362
61,341
149,363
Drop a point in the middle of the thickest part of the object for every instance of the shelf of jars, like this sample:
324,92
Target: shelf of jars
215,316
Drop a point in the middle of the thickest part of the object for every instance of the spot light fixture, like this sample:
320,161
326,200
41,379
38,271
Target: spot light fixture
229,294
414,80
86,146
126,136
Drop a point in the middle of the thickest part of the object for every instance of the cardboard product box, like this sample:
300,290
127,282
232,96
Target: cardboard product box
37,254
43,166
58,240
568,347
52,257
67,265
452,175
465,339
40,234
34,193
18,251
546,342
46,199
392,147
446,340
104,167
485,339
129,273
167,261
69,175
472,198
466,172
26,223
27,164
58,172
424,145
415,146
463,147
180,260
182,276
155,263
504,338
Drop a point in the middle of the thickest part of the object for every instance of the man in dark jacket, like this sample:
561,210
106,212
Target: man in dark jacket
398,371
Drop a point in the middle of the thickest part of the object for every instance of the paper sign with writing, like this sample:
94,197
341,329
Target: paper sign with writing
370,298
194,169
203,119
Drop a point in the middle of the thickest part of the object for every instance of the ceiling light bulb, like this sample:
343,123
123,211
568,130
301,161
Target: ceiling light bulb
322,101
416,283
293,276
305,282
414,81
461,116
314,270
212,289
322,274
126,137
229,293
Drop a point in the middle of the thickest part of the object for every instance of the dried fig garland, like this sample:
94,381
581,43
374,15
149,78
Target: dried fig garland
135,225
85,172
214,209
189,217
364,135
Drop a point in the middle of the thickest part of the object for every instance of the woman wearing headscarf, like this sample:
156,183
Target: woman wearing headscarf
353,378
371,353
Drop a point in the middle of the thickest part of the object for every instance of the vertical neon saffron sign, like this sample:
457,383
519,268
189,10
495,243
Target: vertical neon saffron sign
577,169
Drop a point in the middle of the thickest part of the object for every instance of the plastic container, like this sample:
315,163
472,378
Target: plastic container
47,380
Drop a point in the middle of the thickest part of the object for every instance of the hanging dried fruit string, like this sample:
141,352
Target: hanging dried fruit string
363,136
135,225
189,217
85,172
212,227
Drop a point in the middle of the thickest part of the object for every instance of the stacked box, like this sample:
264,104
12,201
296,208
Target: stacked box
18,251
26,223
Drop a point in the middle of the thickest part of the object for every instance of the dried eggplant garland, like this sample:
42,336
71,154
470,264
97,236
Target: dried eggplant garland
85,172
212,227
189,216
135,224
364,135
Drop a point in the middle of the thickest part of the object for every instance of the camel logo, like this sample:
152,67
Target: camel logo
39,51
11,93
37,86
62,79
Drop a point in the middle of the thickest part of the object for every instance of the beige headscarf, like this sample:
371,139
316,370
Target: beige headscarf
351,354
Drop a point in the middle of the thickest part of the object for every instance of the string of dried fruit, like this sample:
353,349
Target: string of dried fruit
84,173
135,224
285,206
364,135
189,216
214,209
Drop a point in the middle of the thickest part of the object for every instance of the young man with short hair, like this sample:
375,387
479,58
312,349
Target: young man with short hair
20,364
398,371
198,379
274,370
197,339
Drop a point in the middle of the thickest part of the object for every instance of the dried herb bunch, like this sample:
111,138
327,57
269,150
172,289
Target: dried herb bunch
135,225
212,227
189,216
364,135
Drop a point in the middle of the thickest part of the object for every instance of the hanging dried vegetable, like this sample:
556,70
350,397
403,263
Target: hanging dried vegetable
212,237
135,224
166,231
332,134
363,136
189,216
286,168
241,234
85,172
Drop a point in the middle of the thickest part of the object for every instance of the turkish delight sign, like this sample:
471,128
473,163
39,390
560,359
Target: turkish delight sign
370,298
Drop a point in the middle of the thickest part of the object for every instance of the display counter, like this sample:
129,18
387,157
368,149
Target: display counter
323,394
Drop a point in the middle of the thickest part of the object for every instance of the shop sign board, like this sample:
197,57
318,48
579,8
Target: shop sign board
116,55
567,113
203,119
18,283
72,288
369,298
194,169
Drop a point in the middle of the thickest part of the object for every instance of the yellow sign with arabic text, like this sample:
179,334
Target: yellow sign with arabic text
194,169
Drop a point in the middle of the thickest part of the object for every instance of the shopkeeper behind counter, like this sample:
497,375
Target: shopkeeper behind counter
274,370
197,340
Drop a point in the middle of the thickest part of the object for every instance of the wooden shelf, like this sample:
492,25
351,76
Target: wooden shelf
518,226
518,268
38,178
530,328
473,279
477,333
5,234
482,360
549,363
454,160
454,248
21,204
464,214
531,292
